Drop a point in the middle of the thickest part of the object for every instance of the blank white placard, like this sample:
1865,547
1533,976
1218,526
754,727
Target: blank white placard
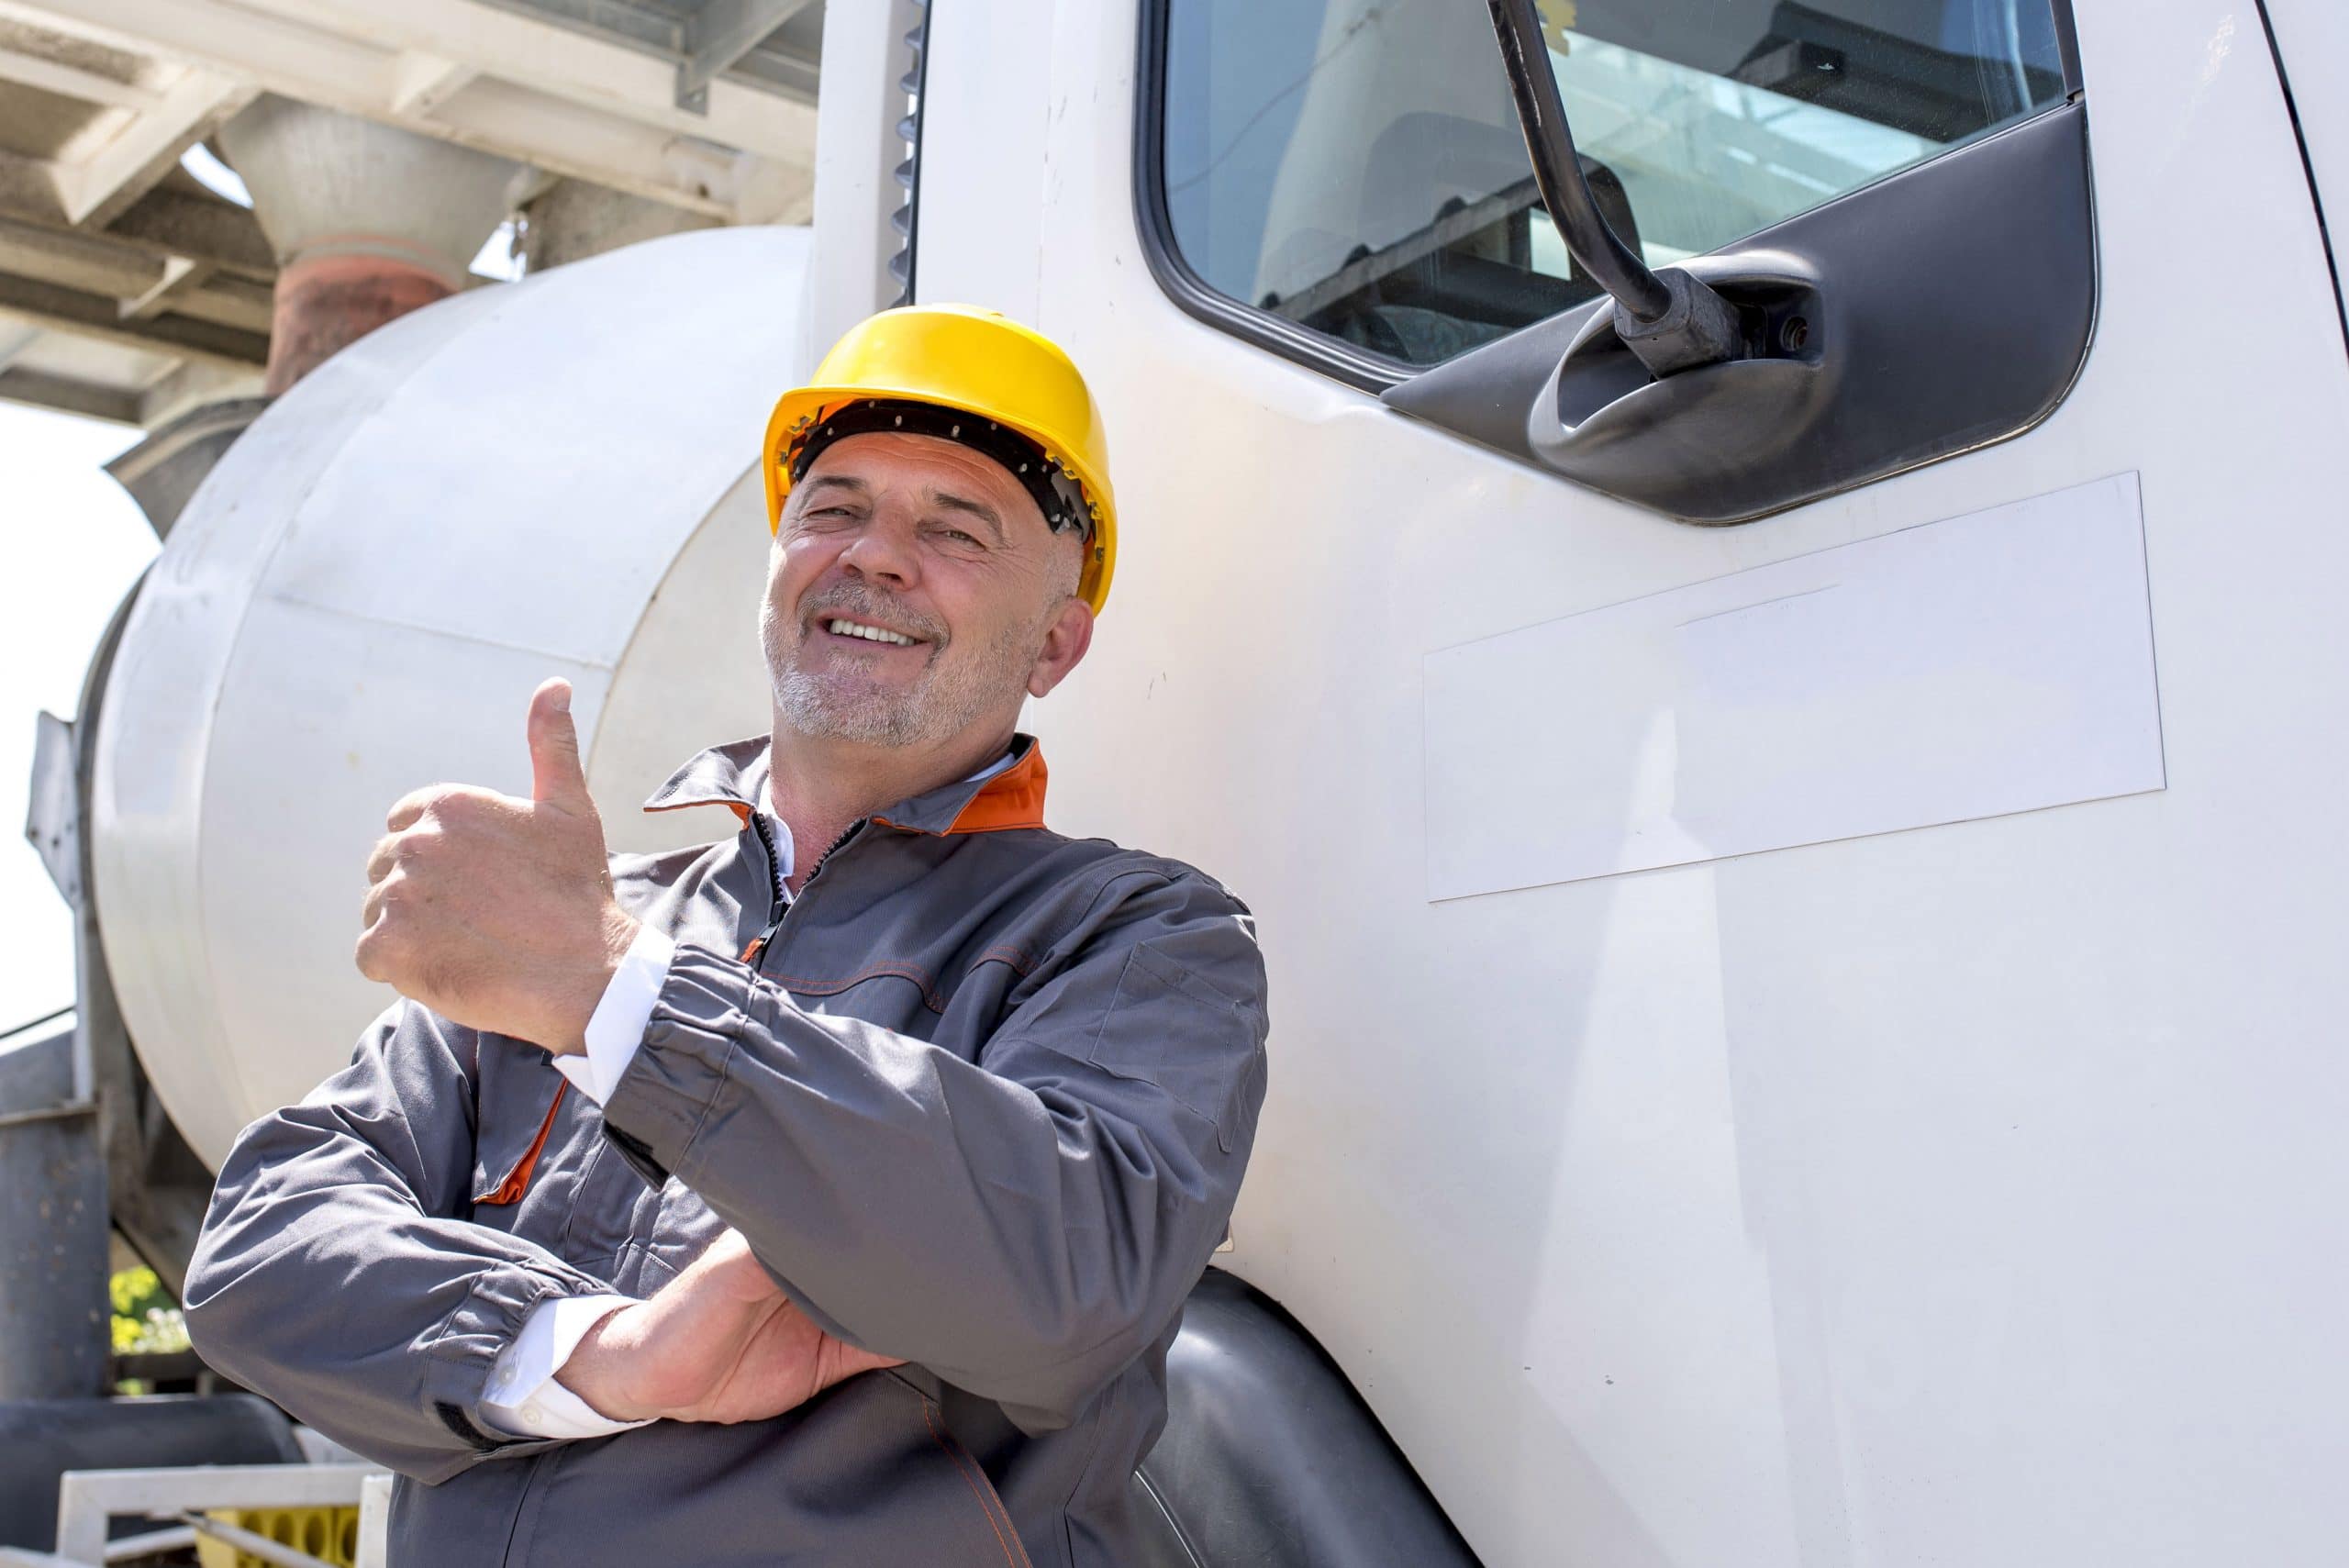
1992,663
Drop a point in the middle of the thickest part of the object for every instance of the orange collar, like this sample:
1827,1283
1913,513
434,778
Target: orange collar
735,775
1012,799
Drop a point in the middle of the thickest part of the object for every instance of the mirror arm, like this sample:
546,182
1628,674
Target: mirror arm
1671,320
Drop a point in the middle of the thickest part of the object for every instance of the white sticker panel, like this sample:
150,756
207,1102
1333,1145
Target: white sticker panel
1985,664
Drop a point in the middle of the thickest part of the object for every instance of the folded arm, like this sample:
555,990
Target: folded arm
1024,1226
337,1273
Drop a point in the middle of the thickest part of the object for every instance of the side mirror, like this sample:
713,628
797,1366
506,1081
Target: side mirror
1671,319
1937,310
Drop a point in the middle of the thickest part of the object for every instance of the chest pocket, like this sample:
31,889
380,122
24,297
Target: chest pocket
518,1101
541,1169
544,1171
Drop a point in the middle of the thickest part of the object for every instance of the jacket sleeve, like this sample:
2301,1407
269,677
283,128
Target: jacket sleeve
1024,1226
337,1272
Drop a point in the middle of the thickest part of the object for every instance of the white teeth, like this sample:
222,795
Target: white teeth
870,633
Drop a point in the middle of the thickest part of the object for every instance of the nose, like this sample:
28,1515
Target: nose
884,551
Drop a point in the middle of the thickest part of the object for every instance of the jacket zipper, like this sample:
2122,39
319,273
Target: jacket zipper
777,906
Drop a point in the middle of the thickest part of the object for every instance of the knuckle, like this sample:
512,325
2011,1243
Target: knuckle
430,802
460,804
380,910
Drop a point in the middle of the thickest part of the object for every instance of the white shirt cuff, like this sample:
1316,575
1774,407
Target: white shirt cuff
616,1026
524,1396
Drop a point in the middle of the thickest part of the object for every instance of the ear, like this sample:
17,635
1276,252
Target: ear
1065,642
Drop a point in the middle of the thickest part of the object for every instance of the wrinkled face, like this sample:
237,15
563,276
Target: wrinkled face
914,594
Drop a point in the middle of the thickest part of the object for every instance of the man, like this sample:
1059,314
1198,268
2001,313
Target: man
826,1194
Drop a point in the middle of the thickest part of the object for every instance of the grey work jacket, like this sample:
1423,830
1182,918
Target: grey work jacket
981,1099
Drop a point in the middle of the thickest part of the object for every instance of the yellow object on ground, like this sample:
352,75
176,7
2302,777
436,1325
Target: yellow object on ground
977,361
330,1535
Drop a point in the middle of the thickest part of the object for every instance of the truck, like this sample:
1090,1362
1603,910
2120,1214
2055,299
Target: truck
1745,587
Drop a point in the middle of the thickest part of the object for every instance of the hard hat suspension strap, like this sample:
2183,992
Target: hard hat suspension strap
1056,491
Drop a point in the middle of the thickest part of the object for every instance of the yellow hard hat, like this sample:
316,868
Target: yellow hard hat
974,362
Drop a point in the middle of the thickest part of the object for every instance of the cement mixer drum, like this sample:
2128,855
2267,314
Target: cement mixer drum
554,477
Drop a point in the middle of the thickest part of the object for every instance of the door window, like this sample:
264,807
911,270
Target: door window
1354,166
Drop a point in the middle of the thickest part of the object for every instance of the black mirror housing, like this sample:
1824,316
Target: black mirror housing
1939,310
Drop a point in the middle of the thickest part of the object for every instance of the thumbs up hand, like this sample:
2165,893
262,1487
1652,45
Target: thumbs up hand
495,912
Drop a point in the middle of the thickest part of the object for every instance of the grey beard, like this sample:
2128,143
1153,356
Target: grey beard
934,710
871,719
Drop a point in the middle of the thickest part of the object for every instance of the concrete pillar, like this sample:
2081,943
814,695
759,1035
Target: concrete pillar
573,220
369,222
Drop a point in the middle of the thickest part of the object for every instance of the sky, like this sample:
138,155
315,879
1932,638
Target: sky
72,543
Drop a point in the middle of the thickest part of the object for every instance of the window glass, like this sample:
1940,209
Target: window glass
1355,166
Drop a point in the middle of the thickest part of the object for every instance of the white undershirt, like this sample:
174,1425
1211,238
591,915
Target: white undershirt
525,1397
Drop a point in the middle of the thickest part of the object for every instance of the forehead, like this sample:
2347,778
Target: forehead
888,460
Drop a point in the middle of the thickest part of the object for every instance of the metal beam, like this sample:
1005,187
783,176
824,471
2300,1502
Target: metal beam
125,267
661,35
202,228
226,300
584,70
250,37
71,81
421,82
788,71
28,187
588,108
95,315
16,337
97,188
718,35
66,395
564,139
180,277
73,258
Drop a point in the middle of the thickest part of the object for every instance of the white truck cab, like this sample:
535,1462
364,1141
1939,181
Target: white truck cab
1800,894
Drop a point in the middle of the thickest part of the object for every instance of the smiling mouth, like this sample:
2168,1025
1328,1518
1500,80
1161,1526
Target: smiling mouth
841,625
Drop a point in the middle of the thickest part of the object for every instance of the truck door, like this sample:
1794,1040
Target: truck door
1800,894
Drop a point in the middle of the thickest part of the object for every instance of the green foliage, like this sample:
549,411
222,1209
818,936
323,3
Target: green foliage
145,1319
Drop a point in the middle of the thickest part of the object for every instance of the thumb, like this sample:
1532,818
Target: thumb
556,777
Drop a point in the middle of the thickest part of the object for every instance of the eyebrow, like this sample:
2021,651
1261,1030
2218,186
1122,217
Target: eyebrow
946,500
847,482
